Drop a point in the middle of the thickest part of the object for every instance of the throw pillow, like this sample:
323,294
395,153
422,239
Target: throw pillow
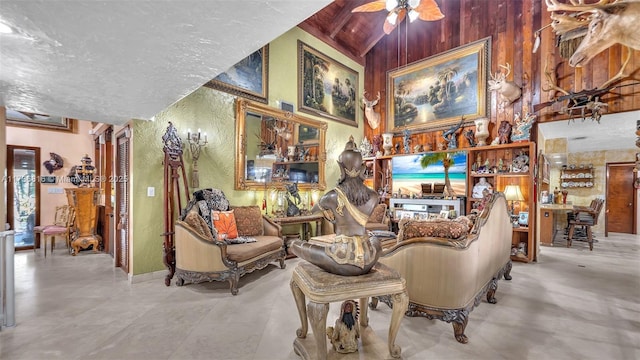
378,213
225,224
449,229
198,224
249,220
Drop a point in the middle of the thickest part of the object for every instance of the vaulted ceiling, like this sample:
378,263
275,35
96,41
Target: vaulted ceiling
352,33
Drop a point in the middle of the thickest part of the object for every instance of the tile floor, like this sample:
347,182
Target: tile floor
571,304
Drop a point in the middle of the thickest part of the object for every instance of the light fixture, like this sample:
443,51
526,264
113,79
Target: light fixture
426,10
196,142
512,193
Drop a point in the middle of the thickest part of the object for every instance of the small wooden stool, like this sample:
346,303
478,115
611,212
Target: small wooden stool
323,288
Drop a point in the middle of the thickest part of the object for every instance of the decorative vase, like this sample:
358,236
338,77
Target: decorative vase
387,143
482,131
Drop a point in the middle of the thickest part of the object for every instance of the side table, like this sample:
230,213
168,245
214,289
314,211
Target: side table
322,288
305,220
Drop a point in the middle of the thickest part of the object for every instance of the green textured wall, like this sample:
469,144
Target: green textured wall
213,112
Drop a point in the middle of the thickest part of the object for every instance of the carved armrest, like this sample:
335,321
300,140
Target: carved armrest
270,228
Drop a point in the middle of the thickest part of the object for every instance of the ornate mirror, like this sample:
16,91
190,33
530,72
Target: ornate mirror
275,147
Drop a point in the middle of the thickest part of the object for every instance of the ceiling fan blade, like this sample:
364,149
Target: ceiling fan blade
388,27
428,10
371,7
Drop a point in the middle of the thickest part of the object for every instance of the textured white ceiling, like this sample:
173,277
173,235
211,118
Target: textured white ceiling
614,132
111,61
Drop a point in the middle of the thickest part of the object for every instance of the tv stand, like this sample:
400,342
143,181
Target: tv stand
422,207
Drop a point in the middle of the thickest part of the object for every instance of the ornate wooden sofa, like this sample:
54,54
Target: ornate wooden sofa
200,256
449,265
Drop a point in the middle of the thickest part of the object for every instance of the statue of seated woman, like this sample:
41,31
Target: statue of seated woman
479,187
348,207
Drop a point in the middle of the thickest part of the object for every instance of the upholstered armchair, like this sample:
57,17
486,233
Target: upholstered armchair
202,255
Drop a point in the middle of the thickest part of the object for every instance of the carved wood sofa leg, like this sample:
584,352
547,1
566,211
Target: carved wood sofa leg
458,329
234,279
491,293
507,270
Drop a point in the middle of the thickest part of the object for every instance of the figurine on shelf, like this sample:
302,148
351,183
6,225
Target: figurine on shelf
450,135
82,175
376,145
479,188
293,199
470,137
406,139
522,129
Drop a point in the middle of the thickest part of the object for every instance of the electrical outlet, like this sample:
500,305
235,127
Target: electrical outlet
151,191
55,190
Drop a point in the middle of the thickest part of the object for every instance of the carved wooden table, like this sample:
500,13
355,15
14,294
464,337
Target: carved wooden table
85,201
323,288
305,220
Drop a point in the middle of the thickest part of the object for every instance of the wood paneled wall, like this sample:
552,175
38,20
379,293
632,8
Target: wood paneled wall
511,24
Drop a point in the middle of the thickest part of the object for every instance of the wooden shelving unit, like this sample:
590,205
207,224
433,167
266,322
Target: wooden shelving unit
496,164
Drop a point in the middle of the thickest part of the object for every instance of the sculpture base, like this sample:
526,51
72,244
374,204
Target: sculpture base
370,346
84,242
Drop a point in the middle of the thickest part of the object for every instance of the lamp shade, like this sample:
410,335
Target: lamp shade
513,193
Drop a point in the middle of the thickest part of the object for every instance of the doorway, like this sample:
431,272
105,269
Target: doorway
620,212
23,193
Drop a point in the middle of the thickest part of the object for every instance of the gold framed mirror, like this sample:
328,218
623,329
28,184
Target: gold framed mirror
276,147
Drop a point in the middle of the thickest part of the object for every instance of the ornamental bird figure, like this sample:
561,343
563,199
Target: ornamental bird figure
53,164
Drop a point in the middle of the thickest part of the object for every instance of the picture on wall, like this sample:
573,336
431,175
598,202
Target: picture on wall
249,78
436,92
33,120
325,87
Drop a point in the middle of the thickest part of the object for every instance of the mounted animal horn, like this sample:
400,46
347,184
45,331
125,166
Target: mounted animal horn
508,91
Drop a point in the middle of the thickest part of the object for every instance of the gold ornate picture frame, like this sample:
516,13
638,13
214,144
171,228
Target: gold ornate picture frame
249,78
436,92
42,121
326,87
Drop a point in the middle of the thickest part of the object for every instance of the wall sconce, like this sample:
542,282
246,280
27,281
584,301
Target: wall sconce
196,142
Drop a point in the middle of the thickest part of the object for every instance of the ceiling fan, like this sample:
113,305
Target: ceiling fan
426,10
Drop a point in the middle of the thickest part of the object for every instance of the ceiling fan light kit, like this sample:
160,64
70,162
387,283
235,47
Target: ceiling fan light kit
426,10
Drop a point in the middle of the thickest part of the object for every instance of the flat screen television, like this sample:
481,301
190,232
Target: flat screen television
408,175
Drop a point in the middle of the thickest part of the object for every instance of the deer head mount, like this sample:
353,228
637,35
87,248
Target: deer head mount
603,24
373,118
508,91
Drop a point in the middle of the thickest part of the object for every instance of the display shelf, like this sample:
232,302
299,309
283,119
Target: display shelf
502,165
576,178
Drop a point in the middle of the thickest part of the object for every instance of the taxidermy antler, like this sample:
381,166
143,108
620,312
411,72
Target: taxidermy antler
603,25
373,118
508,91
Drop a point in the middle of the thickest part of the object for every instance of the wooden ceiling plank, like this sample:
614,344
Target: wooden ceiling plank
341,20
371,42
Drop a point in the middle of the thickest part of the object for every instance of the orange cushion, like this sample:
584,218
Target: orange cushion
225,224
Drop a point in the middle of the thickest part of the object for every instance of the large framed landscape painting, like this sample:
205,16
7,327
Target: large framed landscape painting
249,78
326,87
436,92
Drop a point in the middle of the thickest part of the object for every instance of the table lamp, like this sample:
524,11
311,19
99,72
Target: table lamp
512,193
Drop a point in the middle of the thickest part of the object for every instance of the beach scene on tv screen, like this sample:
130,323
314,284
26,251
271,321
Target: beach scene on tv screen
409,175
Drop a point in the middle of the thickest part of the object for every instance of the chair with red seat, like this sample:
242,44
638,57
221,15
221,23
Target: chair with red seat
62,226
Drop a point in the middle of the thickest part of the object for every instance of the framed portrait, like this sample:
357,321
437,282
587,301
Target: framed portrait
33,120
326,87
435,93
444,214
249,78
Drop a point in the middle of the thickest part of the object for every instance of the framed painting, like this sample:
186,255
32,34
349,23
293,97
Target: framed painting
545,170
33,120
436,92
325,87
249,78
